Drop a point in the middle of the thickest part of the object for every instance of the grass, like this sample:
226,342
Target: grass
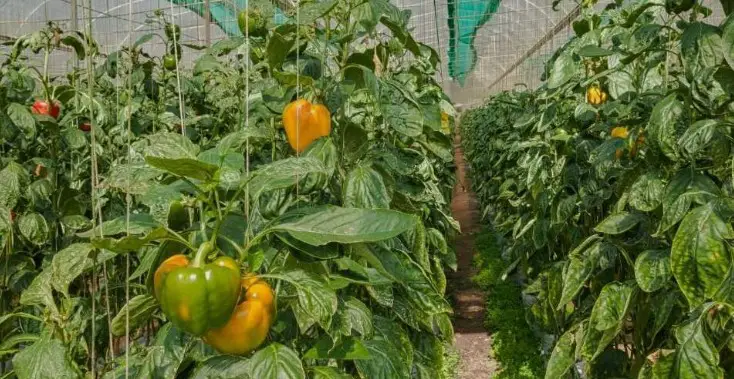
450,362
514,345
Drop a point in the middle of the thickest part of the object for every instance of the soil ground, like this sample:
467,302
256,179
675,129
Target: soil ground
472,340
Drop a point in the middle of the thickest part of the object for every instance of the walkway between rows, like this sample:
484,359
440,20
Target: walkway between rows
472,340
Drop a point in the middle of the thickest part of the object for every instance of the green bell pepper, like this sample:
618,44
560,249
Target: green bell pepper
196,296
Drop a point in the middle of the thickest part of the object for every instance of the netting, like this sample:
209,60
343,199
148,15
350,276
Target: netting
485,46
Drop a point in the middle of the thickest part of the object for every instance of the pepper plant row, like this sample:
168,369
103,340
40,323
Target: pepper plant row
279,210
612,185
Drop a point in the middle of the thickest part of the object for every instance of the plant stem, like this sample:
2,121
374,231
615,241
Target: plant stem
201,254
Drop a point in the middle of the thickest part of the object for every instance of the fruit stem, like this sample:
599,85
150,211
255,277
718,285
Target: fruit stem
200,257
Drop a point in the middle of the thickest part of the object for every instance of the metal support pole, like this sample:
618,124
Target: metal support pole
207,23
74,16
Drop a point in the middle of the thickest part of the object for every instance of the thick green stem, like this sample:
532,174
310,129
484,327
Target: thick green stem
200,257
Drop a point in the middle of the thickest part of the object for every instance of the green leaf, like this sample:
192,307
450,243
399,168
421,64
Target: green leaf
68,264
315,298
207,63
133,178
13,177
685,188
607,317
284,173
344,348
618,223
39,292
311,12
700,259
221,367
324,372
646,193
190,168
696,356
23,119
33,228
129,243
364,188
138,311
701,47
276,361
357,316
139,223
176,154
277,49
75,44
563,356
698,136
661,129
160,200
145,38
594,51
577,272
564,68
167,354
348,225
652,270
47,358
386,361
404,118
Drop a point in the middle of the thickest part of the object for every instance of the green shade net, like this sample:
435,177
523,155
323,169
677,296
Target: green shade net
465,19
224,14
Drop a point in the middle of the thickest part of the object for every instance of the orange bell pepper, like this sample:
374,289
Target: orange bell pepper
305,122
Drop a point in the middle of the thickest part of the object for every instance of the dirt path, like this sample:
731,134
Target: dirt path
472,340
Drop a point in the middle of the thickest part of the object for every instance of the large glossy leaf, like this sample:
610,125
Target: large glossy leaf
700,259
685,188
33,228
652,269
385,361
13,177
348,225
284,173
661,129
176,154
168,354
564,68
138,311
47,358
696,356
618,223
647,192
562,357
364,188
405,118
701,47
276,361
577,271
324,372
221,367
68,264
133,178
23,119
39,292
138,223
607,317
343,348
315,298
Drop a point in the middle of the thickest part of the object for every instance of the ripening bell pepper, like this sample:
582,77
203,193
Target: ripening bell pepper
249,325
305,122
197,296
619,132
595,95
